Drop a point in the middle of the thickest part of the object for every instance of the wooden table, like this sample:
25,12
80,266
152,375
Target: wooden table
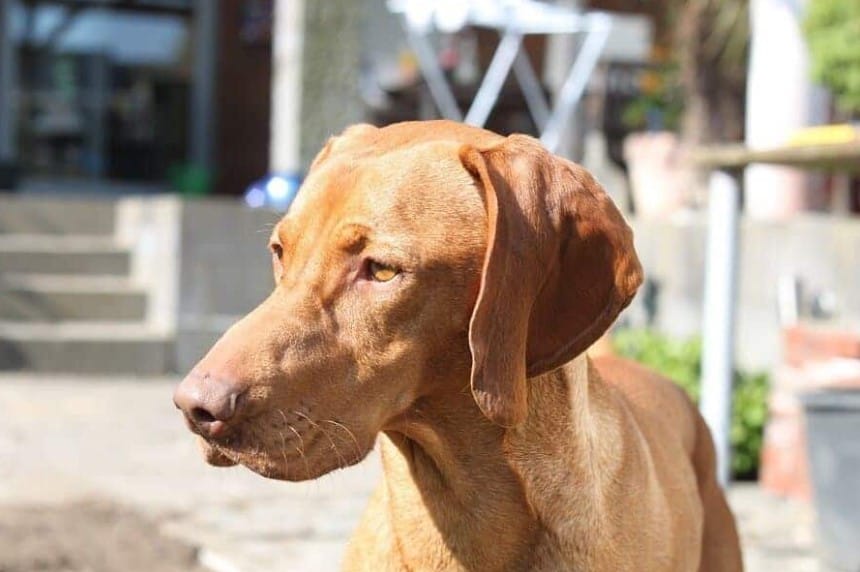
721,264
834,157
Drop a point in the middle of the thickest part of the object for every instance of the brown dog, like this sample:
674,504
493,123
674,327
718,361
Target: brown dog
436,286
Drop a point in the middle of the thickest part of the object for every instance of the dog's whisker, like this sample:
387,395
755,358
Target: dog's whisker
314,424
267,228
340,460
284,452
305,417
283,416
348,432
300,448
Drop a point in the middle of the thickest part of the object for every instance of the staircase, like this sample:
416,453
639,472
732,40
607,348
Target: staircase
70,301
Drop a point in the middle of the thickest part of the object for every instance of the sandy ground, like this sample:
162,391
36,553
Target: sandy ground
101,475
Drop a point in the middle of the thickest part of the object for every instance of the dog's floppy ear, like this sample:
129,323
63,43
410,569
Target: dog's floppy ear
558,269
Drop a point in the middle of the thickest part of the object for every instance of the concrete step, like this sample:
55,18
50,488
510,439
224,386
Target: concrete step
197,335
52,214
52,298
84,347
47,254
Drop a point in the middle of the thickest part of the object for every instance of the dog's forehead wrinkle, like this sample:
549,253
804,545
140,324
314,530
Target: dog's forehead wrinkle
398,185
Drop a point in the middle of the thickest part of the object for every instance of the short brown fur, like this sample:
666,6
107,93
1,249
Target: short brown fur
504,447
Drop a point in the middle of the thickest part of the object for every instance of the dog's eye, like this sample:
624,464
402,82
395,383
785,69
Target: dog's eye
381,272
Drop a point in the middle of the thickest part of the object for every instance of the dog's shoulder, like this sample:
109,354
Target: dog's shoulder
656,401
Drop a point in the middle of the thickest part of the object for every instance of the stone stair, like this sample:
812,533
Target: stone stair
69,299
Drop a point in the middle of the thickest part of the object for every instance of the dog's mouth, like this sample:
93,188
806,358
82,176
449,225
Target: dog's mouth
281,451
213,455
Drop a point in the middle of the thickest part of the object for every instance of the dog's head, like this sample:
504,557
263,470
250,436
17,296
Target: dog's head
416,258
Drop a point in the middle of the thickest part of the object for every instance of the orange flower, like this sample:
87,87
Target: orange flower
651,83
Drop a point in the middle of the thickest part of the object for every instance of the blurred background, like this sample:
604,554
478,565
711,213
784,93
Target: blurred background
147,147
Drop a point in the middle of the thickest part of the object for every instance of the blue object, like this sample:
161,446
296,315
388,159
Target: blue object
276,191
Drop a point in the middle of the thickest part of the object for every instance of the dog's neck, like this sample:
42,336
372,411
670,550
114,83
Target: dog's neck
456,480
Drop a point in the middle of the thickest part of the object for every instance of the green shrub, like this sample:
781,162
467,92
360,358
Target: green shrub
681,360
832,30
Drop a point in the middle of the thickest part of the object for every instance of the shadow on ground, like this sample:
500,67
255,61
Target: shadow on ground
87,536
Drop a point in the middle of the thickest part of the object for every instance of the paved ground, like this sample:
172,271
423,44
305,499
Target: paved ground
91,536
69,441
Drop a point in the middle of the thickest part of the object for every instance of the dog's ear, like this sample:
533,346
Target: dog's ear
559,267
337,142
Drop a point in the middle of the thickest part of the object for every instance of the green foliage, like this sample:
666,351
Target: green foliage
681,360
832,30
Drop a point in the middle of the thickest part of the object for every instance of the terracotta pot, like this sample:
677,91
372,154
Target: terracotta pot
660,182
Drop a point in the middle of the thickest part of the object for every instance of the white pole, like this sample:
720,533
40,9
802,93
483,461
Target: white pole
494,79
599,27
719,315
287,49
780,99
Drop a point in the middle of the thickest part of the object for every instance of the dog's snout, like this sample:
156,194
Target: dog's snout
211,403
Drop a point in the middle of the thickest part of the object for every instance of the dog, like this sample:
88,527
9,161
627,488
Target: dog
436,287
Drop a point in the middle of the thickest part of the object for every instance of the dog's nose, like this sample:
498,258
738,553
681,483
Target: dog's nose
209,402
